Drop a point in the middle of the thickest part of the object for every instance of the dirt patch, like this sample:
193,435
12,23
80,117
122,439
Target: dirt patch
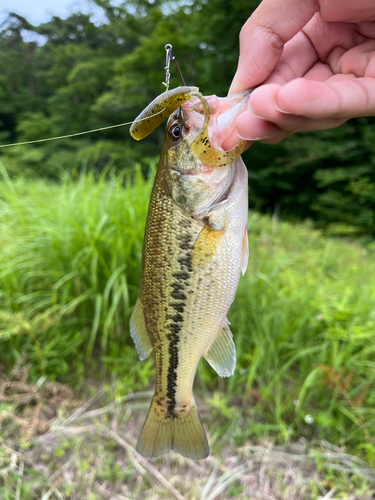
53,445
28,408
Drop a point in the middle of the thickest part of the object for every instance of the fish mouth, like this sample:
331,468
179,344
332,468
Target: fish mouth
223,112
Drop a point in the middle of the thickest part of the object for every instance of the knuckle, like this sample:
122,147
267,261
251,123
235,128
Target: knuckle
274,39
271,36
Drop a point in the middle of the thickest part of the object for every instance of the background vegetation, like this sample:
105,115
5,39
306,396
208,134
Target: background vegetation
72,216
76,76
303,322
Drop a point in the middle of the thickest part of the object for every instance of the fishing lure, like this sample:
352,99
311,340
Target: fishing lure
159,110
166,103
203,149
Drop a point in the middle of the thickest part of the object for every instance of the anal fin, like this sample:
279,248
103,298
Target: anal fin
222,353
138,331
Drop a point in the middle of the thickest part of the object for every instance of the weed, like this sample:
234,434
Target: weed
303,319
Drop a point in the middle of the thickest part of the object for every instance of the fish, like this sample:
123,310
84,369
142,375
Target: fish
195,247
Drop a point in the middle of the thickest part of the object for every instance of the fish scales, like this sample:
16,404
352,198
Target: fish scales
194,246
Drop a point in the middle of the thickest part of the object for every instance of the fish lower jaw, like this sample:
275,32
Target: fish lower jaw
201,168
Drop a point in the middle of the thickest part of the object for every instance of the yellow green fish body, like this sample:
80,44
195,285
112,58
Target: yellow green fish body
195,246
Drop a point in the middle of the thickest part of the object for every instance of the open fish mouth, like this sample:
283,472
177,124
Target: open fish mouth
212,116
223,112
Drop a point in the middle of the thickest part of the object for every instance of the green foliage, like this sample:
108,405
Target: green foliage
69,259
305,331
302,320
86,76
328,177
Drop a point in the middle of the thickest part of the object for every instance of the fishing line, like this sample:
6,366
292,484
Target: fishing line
78,133
169,58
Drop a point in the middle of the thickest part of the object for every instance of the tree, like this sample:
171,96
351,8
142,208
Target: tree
85,76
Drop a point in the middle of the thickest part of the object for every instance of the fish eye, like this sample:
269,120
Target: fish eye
175,132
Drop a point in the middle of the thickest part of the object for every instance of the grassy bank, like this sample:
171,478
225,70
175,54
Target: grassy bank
303,318
69,272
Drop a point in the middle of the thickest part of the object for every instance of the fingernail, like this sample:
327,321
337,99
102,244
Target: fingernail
256,116
253,114
282,111
233,86
252,138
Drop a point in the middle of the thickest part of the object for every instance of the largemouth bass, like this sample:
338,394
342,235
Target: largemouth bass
195,247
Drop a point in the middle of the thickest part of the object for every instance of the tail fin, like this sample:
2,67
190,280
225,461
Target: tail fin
183,433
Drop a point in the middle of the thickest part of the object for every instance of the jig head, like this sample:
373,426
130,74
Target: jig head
159,110
166,103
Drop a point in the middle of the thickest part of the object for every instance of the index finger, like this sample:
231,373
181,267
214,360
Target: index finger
263,36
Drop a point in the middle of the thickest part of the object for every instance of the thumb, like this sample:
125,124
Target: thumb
263,36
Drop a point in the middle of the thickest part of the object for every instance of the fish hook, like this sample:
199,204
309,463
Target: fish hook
168,58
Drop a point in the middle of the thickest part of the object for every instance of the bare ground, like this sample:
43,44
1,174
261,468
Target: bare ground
53,445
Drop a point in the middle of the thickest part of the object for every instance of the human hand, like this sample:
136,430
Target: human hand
316,59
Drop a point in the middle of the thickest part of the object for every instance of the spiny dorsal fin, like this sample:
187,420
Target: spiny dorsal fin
138,331
222,353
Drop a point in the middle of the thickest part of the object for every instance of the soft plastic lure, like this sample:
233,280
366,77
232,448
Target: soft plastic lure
159,110
164,105
206,153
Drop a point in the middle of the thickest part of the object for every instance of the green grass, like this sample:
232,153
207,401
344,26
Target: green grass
69,270
303,318
304,326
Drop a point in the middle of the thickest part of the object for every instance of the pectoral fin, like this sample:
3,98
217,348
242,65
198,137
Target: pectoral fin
222,353
245,253
206,245
138,331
